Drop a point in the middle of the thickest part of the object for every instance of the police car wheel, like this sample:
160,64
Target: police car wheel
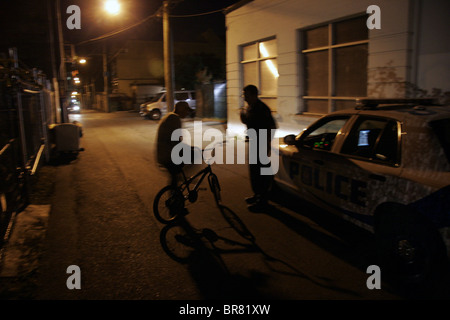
408,247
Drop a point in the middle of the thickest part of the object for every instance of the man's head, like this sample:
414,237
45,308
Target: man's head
250,93
182,109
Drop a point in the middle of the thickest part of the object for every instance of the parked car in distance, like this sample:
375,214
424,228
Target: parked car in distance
74,107
157,107
384,166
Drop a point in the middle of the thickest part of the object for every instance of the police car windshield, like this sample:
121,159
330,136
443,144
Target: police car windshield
442,130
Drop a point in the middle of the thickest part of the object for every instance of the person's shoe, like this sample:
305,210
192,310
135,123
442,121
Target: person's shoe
258,206
252,199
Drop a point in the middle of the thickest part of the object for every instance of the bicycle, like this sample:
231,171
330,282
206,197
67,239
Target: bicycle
169,203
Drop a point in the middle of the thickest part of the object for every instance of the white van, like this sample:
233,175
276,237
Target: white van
156,107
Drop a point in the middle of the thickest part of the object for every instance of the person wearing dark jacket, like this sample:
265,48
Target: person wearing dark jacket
260,123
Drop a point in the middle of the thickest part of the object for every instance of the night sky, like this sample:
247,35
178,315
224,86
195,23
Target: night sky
25,24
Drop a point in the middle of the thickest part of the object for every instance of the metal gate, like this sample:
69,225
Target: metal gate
26,106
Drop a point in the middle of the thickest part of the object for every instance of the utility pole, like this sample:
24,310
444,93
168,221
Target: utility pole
168,72
56,112
63,72
105,77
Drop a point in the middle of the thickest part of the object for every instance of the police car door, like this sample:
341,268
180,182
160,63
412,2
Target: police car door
306,167
364,167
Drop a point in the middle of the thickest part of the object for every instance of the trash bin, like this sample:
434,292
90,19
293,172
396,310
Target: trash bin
67,137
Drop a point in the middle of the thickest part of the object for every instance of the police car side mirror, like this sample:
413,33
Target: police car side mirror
290,140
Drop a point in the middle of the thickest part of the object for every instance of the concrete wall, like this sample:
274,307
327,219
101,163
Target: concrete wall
401,49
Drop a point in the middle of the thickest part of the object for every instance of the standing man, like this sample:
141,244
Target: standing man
258,118
164,144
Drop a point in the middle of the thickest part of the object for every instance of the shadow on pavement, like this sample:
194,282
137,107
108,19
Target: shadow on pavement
201,250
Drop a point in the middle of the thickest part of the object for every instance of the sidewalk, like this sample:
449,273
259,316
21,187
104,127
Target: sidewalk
19,258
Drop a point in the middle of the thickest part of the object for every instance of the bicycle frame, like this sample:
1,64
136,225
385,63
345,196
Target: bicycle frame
187,181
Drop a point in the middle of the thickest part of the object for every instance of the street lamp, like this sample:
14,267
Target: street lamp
112,7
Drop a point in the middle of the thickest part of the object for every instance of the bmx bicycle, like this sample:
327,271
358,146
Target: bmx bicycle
169,203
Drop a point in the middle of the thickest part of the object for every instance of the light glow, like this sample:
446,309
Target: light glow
269,63
112,7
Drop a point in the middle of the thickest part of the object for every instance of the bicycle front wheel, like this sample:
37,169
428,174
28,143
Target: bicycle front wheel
168,204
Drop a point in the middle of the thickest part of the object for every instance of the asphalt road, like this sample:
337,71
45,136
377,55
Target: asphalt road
101,220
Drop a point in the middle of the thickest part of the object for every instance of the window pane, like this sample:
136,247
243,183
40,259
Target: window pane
317,37
387,148
269,77
442,130
351,71
268,49
351,30
324,135
249,52
250,74
363,138
181,96
317,73
317,106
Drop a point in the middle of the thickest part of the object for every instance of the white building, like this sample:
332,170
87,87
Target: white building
309,58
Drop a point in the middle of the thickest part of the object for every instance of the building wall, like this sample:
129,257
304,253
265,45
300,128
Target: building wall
433,67
142,62
399,52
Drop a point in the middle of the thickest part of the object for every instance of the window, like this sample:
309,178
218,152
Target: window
259,67
181,96
322,136
373,139
442,130
335,65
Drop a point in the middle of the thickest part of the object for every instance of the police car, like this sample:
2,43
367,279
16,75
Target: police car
385,166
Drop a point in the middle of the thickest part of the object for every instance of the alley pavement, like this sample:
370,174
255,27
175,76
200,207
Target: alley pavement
94,211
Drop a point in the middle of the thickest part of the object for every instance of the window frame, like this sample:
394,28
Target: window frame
258,60
330,48
321,122
352,129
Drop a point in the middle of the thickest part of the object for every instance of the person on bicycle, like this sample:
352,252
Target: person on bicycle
164,144
258,116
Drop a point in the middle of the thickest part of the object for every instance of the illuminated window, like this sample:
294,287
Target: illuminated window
260,68
335,65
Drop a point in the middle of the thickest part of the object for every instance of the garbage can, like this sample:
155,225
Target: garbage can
67,137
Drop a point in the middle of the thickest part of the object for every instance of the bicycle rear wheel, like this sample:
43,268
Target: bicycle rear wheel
168,204
215,187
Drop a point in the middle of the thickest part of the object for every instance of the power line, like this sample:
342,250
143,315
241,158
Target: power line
113,33
197,14
156,14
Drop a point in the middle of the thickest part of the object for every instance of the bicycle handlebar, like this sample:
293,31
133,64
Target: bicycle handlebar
213,148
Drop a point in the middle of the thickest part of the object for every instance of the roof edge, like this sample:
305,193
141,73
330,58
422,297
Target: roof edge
236,6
